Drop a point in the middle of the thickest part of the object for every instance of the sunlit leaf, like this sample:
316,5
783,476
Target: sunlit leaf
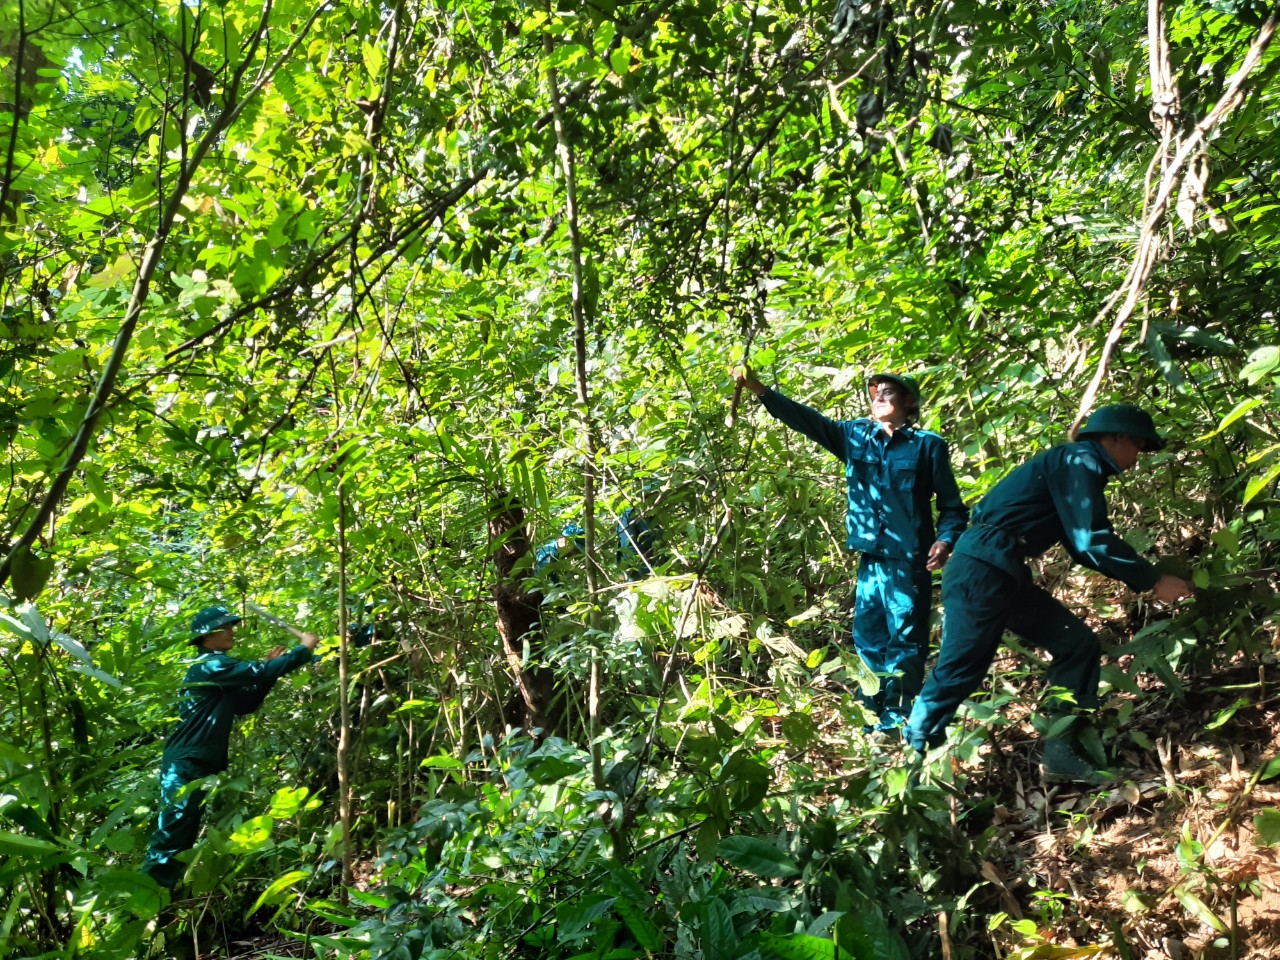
275,890
254,834
1267,823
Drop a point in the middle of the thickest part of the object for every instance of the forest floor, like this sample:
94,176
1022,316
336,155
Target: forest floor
1169,864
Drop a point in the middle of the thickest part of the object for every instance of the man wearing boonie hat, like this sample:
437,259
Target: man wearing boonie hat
895,472
217,689
1055,497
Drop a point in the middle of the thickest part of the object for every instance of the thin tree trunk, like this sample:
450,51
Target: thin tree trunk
344,698
520,616
590,442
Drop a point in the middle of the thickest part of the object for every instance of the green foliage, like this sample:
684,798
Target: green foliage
341,232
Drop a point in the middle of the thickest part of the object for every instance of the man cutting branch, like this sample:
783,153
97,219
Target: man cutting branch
216,690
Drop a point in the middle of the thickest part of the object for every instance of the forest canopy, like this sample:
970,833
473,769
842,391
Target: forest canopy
345,309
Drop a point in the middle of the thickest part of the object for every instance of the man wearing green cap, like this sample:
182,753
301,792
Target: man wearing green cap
1055,497
895,472
216,690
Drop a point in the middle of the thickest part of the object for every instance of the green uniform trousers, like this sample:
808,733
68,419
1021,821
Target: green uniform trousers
891,630
980,602
179,821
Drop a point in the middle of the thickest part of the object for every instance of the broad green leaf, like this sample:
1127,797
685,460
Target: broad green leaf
334,912
100,675
11,753
1164,362
1259,483
716,933
287,801
374,59
546,770
21,845
620,58
15,626
1238,411
442,763
800,729
1270,771
29,573
758,857
1225,714
636,916
604,36
254,834
1267,823
140,893
72,646
370,899
1263,361
800,946
864,930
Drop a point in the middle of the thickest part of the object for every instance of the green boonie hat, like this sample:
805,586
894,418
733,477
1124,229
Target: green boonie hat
906,383
1126,419
210,619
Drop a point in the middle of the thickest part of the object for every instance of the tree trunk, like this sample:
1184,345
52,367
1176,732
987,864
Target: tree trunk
520,616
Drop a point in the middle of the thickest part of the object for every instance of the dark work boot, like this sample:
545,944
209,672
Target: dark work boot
1061,763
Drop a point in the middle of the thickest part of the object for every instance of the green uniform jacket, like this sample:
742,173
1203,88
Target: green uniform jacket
1055,497
215,691
892,482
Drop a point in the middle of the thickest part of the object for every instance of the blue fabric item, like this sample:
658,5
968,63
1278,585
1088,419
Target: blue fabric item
1124,419
891,631
1055,497
639,544
549,552
216,690
892,481
179,822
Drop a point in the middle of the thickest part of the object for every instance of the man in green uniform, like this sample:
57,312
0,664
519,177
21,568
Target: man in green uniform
1055,497
216,690
895,473
572,539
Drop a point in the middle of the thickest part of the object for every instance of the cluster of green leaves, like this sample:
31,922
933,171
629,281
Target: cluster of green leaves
513,852
363,278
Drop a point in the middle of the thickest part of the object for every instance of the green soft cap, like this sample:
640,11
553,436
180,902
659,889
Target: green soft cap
906,383
210,619
1126,419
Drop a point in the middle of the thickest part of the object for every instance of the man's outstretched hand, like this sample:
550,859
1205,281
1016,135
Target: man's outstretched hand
743,377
